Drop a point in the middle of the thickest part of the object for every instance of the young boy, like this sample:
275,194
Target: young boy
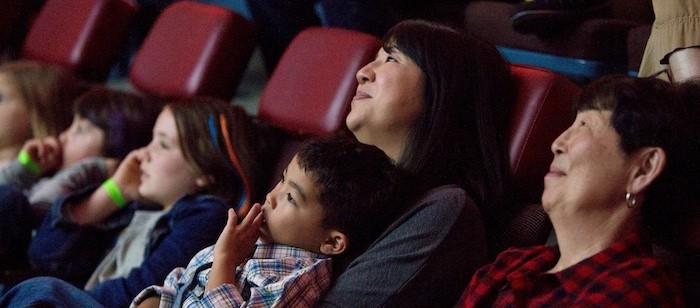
332,200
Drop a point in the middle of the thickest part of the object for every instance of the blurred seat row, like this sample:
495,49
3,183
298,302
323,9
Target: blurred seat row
200,49
192,49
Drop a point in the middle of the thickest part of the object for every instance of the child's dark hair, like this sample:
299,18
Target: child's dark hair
127,119
356,182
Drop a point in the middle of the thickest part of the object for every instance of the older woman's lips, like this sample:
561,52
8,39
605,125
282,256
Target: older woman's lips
554,171
360,95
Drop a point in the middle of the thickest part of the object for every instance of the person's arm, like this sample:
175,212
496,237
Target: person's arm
17,175
100,204
37,158
150,302
87,172
425,258
286,282
194,226
63,249
156,294
233,246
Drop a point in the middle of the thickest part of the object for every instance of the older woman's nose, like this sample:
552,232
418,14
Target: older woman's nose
558,144
365,74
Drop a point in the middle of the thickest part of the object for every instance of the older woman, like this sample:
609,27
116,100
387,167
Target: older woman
433,100
609,173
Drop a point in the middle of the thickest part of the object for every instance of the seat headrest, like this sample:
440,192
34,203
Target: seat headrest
82,35
543,110
310,90
193,49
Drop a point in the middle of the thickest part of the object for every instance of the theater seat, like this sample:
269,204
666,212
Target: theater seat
193,49
81,35
542,111
309,92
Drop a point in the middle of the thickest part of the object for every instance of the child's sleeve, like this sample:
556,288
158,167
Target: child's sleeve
166,295
270,283
173,282
17,175
87,172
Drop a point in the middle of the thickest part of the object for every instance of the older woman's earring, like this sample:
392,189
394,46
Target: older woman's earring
630,200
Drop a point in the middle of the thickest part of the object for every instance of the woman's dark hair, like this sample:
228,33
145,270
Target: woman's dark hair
127,119
460,136
649,112
205,144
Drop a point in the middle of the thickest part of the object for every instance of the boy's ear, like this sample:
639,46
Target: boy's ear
335,243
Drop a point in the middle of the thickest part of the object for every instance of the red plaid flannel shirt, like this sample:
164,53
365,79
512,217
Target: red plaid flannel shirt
623,275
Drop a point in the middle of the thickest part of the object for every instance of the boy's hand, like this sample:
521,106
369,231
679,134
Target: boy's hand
128,174
46,153
233,246
237,241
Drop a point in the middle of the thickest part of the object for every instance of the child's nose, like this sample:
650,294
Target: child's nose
62,137
269,200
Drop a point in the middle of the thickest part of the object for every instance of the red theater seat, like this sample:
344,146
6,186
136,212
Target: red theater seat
81,35
193,49
310,90
542,111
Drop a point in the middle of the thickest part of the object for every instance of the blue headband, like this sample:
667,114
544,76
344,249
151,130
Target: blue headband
243,203
212,130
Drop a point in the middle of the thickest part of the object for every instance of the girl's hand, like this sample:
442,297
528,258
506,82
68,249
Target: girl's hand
46,153
234,244
112,164
128,175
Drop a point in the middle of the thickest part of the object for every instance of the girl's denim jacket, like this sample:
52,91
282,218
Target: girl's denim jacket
65,250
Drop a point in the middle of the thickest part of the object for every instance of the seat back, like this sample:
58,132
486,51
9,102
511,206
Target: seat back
193,49
543,110
82,35
310,90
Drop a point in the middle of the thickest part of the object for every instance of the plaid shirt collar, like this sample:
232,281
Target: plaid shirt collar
279,251
541,259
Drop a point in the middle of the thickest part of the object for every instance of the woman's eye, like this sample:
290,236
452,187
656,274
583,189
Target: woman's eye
390,59
290,198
